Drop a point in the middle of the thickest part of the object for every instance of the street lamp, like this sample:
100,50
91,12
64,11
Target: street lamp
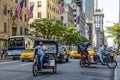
118,35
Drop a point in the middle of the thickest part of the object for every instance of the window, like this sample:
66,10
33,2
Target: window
20,30
74,10
5,27
14,31
16,1
48,4
15,13
74,15
25,19
25,3
62,17
39,14
5,10
21,17
39,3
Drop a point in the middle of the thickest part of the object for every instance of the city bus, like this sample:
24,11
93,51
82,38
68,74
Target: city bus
17,44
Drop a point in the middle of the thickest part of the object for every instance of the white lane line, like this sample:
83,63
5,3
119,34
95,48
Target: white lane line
9,62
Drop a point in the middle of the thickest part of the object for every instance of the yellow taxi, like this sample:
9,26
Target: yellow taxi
91,51
27,55
74,53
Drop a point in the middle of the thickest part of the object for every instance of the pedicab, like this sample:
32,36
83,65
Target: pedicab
50,58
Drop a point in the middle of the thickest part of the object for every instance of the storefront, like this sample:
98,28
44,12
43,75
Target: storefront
3,43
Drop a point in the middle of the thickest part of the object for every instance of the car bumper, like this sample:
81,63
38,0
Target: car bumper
26,58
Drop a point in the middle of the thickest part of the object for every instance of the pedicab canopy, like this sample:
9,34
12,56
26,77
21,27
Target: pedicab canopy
50,45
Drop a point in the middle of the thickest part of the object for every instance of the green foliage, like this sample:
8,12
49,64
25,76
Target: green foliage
112,32
59,1
49,29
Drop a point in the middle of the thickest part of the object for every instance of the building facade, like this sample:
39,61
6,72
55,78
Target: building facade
67,16
45,9
80,27
99,16
9,24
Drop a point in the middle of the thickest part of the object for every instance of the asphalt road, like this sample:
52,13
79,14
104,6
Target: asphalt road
17,70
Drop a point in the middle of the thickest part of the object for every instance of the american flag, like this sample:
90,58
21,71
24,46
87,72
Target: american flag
77,20
29,12
19,8
64,24
61,7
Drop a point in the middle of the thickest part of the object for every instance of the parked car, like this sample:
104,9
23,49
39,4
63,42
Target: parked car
62,54
73,53
27,55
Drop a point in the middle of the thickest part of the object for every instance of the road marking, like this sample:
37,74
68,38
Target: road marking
16,66
8,62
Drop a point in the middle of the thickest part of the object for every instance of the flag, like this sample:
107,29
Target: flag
77,20
61,7
19,8
64,24
29,12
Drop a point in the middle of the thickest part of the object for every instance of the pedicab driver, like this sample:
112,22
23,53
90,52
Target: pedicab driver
41,52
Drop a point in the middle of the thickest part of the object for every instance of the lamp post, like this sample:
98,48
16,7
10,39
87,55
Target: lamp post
118,35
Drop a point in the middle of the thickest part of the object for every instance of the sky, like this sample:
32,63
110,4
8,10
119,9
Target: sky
111,12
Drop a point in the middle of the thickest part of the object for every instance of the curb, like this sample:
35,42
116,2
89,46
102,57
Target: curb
5,60
115,74
115,71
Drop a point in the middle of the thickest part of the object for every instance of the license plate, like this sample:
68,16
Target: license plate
52,62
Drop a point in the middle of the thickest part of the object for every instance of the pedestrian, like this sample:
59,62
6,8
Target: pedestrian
3,53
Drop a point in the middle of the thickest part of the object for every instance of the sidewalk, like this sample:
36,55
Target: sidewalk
117,70
5,59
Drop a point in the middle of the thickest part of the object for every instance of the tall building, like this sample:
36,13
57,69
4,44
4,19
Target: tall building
89,9
69,1
99,15
80,27
95,5
67,16
9,24
45,9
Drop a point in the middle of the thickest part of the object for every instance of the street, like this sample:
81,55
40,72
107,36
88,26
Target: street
17,70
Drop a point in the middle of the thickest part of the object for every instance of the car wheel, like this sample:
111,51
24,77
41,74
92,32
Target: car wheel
22,60
14,59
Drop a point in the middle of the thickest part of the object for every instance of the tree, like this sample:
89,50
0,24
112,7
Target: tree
50,29
47,28
112,32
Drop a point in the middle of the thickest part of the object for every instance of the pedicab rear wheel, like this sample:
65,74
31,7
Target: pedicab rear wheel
55,68
35,70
